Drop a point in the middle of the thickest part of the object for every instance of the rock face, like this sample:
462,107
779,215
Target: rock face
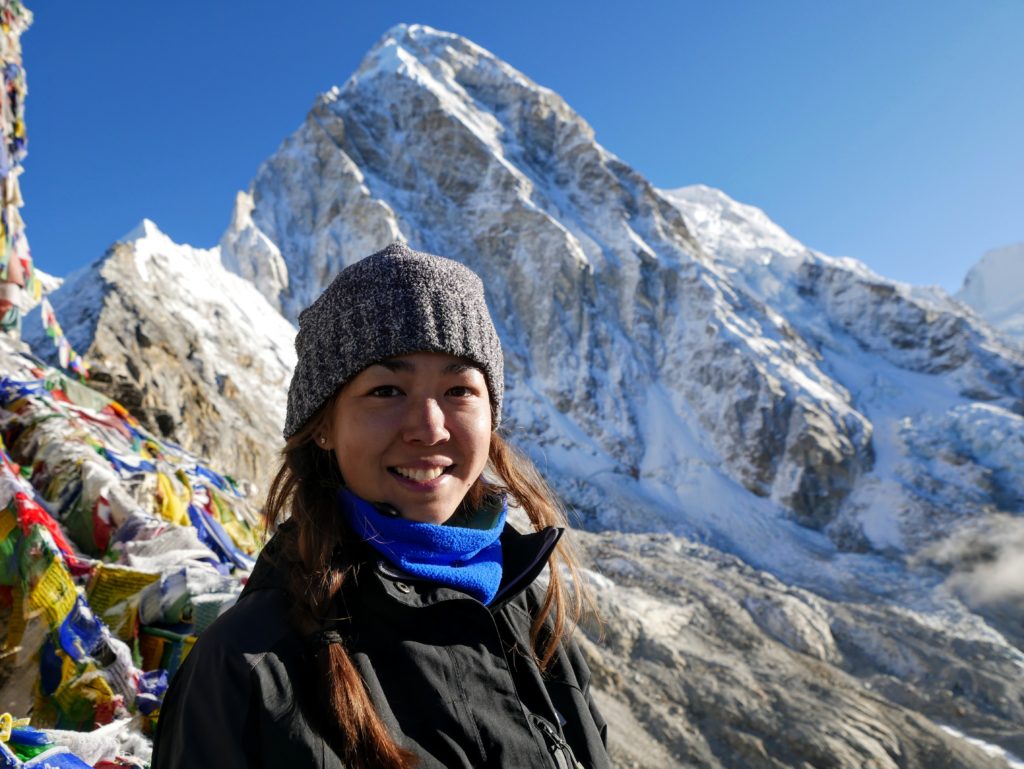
706,662
192,349
994,288
802,481
942,392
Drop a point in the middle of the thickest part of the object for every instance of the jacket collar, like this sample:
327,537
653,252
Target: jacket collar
524,557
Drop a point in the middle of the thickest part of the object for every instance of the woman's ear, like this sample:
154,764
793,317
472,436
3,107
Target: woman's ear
322,436
323,433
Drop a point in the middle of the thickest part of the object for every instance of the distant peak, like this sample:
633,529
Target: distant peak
996,283
402,31
397,32
145,229
404,44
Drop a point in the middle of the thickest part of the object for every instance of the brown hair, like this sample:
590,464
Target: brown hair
322,553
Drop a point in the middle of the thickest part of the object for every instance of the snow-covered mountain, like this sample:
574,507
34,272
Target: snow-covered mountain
994,287
626,369
805,481
682,351
195,351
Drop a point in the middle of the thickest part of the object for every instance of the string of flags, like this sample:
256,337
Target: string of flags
15,257
116,550
69,359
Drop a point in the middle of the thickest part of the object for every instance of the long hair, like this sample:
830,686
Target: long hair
322,554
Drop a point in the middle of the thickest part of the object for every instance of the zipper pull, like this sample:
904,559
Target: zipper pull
559,747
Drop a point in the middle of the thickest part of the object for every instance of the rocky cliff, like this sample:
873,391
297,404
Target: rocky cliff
193,350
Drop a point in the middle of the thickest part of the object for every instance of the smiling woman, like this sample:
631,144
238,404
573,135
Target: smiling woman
394,619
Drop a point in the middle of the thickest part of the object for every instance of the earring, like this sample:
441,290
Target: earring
323,439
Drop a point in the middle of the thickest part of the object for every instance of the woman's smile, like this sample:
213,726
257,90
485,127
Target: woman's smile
420,475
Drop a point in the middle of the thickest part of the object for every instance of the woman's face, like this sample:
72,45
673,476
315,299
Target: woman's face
413,432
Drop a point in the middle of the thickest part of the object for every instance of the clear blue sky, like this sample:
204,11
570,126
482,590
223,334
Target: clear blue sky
891,132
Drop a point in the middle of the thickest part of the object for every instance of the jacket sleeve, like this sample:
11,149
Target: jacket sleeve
206,719
599,722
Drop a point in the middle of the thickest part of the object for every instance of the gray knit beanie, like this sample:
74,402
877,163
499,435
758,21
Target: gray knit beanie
395,302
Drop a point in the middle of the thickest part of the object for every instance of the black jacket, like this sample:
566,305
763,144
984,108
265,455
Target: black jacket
453,679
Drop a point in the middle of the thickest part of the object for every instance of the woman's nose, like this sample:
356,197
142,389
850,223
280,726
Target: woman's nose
425,423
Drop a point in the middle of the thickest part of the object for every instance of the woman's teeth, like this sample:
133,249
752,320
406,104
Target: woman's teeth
419,475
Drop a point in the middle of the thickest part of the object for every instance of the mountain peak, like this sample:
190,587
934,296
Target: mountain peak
997,280
417,32
434,57
405,48
423,37
144,230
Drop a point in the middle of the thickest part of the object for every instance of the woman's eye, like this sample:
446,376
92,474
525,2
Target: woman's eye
461,391
385,391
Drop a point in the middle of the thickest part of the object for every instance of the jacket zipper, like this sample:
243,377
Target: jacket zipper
559,748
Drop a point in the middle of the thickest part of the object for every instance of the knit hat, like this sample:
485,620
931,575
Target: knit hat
395,302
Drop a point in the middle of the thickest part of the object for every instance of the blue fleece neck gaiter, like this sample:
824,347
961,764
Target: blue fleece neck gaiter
462,558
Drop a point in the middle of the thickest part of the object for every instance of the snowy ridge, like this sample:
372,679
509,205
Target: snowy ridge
909,412
194,271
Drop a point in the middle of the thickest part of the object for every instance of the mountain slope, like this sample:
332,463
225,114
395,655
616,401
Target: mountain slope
924,373
670,371
195,351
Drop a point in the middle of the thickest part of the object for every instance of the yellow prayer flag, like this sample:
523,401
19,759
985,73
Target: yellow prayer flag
170,506
55,593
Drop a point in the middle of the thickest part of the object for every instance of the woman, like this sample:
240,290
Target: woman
394,619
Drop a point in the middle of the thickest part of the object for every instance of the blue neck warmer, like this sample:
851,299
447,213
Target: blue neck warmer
465,559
